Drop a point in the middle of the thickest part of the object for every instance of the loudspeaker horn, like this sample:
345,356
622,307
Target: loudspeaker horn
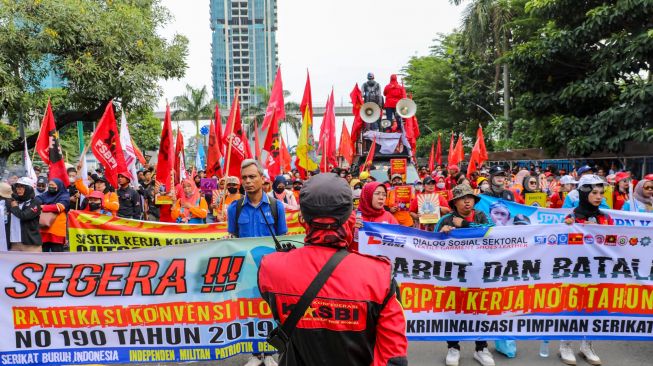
406,108
370,112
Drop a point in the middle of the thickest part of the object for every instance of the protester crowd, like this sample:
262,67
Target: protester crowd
254,205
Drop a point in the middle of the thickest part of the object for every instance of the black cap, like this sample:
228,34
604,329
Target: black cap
42,180
326,195
428,180
496,170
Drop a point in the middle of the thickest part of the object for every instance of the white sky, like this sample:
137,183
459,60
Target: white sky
338,41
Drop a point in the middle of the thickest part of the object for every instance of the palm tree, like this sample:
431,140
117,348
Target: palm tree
486,26
193,105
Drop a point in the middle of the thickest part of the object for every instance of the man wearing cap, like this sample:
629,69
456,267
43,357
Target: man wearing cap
572,199
463,215
130,201
402,214
41,185
297,185
497,180
363,284
232,195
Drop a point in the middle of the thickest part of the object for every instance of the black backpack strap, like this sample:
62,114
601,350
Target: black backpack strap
274,212
239,208
316,285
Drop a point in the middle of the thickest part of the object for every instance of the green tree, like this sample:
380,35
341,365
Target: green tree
584,77
103,51
144,124
194,105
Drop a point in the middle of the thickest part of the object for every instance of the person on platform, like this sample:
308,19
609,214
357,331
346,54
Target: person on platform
191,207
590,195
372,93
55,203
25,210
128,198
280,193
498,178
360,281
463,215
642,200
393,92
256,215
621,190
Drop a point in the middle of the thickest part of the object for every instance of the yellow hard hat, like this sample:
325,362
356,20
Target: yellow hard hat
480,180
364,175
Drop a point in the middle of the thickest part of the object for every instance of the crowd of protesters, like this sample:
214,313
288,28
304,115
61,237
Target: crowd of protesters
34,212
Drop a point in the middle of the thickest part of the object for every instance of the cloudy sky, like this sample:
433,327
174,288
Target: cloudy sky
338,41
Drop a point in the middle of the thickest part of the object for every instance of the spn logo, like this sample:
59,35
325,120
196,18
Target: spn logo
376,238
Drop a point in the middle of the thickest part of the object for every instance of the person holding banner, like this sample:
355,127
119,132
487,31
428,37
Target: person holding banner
101,185
463,215
55,202
429,190
642,200
191,207
590,194
371,205
369,328
95,204
529,185
25,210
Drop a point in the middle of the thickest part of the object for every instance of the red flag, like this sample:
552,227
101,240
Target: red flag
166,152
356,101
213,154
370,158
450,154
248,149
307,99
285,157
480,140
106,147
235,147
459,152
218,130
257,144
327,146
432,159
272,145
276,110
345,150
47,145
179,155
138,153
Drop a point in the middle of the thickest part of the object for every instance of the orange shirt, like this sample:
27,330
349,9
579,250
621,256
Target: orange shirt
110,199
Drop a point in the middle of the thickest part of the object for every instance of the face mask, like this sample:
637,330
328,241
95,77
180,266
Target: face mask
440,185
72,178
485,187
297,188
94,206
357,191
279,189
419,188
40,190
52,190
232,190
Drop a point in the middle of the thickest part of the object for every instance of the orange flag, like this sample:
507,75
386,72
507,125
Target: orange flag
450,155
458,151
432,158
480,140
345,149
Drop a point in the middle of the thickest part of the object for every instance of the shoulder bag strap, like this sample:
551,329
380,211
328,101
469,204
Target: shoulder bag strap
307,298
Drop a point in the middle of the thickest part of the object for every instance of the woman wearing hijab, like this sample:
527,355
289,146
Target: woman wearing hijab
54,202
371,205
590,193
286,197
190,207
25,211
529,185
642,200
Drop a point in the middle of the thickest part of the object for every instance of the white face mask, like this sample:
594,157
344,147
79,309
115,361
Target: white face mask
485,187
440,185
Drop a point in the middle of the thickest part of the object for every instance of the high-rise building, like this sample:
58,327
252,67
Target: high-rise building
244,48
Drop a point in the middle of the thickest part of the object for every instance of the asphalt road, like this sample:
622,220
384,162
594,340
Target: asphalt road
431,353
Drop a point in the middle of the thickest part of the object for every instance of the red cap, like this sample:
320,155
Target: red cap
648,177
96,194
454,167
548,174
621,176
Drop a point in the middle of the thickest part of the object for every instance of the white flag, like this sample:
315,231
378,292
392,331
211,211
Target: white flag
29,168
128,149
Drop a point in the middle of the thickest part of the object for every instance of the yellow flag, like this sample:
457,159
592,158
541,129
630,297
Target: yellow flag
306,145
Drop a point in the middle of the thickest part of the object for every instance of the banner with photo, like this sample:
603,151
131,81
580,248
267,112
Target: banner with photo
502,212
196,302
528,282
92,232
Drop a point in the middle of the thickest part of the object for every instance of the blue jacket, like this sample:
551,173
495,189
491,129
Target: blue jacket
251,222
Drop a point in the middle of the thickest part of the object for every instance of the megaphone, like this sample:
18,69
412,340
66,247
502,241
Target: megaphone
370,112
406,108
